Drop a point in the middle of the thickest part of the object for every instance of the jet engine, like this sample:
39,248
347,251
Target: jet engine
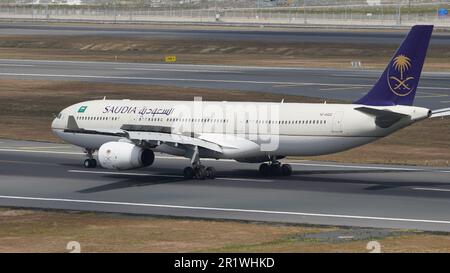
124,156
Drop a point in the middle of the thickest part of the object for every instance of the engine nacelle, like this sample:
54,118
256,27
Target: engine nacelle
124,156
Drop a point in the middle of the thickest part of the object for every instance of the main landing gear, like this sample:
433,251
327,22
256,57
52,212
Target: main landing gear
275,168
90,162
199,171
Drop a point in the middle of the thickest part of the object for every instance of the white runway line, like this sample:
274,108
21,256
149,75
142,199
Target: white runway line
230,160
361,167
172,176
39,151
431,189
177,70
375,73
125,173
218,209
18,65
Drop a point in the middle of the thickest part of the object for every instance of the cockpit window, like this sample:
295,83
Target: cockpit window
59,116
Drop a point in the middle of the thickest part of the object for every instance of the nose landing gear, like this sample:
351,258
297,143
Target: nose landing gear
90,162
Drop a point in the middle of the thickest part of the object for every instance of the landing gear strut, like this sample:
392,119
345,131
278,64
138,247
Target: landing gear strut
198,171
90,162
275,168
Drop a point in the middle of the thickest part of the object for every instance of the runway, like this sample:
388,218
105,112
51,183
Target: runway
308,34
46,175
433,91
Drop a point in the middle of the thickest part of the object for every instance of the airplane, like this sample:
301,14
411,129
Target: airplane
127,133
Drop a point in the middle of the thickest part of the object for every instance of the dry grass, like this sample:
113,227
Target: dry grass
208,51
27,108
49,231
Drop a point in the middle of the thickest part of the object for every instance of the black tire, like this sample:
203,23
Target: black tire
90,163
275,169
286,170
200,172
264,169
210,173
188,173
93,163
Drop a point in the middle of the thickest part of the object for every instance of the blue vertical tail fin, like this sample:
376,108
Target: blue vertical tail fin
398,83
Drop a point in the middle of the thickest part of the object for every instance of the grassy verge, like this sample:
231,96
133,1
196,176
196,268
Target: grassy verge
50,231
27,108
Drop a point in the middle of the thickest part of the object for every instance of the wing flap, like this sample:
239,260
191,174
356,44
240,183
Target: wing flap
173,139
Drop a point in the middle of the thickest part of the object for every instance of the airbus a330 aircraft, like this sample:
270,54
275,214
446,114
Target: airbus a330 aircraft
126,133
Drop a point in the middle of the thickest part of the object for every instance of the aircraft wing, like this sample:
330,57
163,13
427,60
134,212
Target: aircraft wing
440,113
156,139
154,135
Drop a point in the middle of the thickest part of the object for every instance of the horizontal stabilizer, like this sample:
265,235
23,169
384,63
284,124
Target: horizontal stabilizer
383,118
440,113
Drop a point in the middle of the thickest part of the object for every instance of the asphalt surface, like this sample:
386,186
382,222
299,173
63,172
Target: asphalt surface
349,85
45,175
309,35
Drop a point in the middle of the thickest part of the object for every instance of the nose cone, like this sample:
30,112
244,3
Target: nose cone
58,122
54,124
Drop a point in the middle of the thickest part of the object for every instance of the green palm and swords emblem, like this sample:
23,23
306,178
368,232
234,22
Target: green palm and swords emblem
401,64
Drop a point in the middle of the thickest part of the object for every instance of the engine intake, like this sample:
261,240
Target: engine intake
124,156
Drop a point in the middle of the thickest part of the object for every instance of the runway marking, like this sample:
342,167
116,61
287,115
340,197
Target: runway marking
289,85
40,151
19,65
245,179
177,70
195,80
125,173
166,175
431,189
362,167
430,95
230,160
26,162
37,147
445,101
339,88
219,209
375,73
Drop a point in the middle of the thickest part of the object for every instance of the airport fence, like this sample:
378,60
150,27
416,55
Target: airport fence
355,15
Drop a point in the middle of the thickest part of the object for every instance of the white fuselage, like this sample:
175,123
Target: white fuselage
245,130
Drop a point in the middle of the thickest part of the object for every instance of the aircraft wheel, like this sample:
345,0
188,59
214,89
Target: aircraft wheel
210,173
90,163
264,169
286,170
200,172
275,169
188,173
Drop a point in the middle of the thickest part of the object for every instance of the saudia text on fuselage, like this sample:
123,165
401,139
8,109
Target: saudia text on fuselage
121,109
